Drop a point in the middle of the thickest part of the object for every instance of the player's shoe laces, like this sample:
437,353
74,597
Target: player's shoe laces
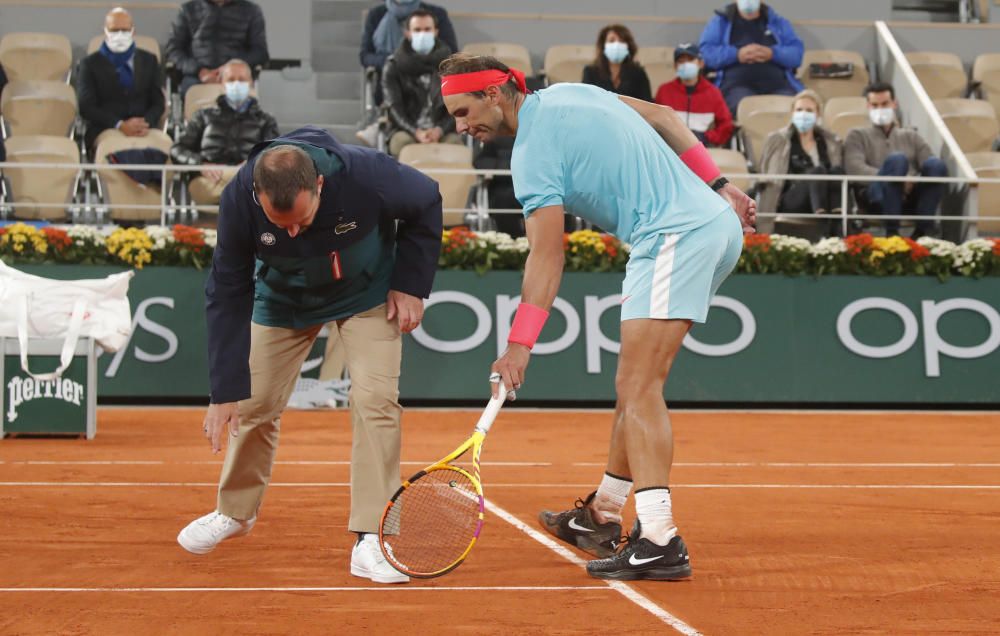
577,527
639,558
368,562
203,534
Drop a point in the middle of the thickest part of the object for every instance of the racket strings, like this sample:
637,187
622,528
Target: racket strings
433,522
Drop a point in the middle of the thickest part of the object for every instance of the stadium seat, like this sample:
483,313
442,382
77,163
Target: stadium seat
144,42
659,64
972,122
119,188
36,56
941,74
514,55
986,74
987,165
759,116
454,187
828,88
731,162
41,185
38,107
841,114
565,62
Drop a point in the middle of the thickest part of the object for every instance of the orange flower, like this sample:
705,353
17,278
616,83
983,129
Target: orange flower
58,239
762,241
996,247
857,243
917,251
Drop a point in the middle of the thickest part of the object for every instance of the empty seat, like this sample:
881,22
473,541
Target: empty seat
941,74
731,162
454,187
972,122
841,114
38,107
987,165
513,55
830,87
986,71
759,116
144,42
659,64
38,56
565,62
121,189
41,185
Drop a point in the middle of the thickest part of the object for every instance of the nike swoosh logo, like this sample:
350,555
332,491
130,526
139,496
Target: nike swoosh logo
344,228
573,524
634,561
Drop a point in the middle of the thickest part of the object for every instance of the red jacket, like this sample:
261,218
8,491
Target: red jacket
704,111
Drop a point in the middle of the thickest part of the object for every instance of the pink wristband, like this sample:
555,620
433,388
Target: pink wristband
701,163
528,323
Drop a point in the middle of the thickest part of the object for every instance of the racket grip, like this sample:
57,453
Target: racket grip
491,410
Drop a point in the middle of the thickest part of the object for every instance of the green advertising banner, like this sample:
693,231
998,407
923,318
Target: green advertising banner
769,339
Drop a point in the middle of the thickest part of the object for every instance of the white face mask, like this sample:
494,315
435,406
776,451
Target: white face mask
237,92
803,120
616,52
687,70
748,6
422,42
881,116
118,41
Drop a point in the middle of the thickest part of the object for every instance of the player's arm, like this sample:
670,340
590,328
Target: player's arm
542,274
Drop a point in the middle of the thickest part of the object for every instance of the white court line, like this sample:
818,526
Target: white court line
485,588
345,484
821,464
138,462
622,588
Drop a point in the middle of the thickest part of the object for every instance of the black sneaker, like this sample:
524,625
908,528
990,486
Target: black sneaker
578,528
639,559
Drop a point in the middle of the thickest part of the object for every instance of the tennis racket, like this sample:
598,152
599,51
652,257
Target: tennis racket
431,523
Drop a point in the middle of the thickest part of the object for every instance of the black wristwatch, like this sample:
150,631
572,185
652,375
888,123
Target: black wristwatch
719,183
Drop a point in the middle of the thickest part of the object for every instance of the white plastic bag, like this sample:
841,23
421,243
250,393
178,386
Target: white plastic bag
37,307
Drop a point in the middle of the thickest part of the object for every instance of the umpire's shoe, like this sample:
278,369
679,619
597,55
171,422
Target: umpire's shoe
642,559
577,527
203,534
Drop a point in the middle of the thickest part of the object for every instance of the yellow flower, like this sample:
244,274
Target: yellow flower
877,255
890,245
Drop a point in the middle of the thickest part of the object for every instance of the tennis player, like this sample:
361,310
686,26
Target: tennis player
585,151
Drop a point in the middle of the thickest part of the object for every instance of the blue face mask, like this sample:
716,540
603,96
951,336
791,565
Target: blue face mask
237,92
803,120
748,6
422,42
687,70
616,52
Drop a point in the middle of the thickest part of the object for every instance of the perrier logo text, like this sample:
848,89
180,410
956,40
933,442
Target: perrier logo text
21,390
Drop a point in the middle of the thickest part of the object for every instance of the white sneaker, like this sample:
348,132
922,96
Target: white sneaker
203,534
368,562
368,135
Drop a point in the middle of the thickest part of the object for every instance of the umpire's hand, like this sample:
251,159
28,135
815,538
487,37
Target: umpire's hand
407,309
218,419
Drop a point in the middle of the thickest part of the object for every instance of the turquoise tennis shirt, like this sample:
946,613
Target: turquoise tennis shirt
581,147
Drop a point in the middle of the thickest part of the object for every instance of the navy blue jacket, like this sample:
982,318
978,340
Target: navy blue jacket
372,195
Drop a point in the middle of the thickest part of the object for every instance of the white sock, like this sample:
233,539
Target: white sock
611,497
652,506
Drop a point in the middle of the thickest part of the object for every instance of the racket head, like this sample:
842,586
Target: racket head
433,520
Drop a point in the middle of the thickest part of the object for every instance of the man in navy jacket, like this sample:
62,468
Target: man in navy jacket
313,232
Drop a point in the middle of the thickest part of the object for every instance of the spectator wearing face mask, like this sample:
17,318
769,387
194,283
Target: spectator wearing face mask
887,149
223,135
118,86
696,100
803,147
753,51
412,87
614,68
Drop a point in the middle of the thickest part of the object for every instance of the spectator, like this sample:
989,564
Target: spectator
615,69
698,102
886,149
223,135
208,33
753,50
803,147
413,88
118,86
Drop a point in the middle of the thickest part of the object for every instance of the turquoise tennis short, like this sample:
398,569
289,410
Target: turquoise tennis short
674,276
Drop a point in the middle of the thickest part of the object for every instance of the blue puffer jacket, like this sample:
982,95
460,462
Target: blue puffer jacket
719,54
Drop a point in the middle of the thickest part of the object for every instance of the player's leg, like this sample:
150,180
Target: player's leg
276,357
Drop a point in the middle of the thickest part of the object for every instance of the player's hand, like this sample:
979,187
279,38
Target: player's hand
745,207
511,366
219,419
407,309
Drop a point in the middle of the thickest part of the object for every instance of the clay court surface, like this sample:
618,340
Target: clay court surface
823,523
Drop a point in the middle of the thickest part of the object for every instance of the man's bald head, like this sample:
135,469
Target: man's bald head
281,173
118,19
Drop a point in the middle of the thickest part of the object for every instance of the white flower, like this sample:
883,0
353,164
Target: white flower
971,252
211,237
161,236
84,235
937,247
828,247
780,243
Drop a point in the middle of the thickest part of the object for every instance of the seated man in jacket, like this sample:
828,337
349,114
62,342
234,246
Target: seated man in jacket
412,87
223,134
696,100
118,86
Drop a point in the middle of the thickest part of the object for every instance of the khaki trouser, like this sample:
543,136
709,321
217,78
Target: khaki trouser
374,351
334,356
206,191
401,138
